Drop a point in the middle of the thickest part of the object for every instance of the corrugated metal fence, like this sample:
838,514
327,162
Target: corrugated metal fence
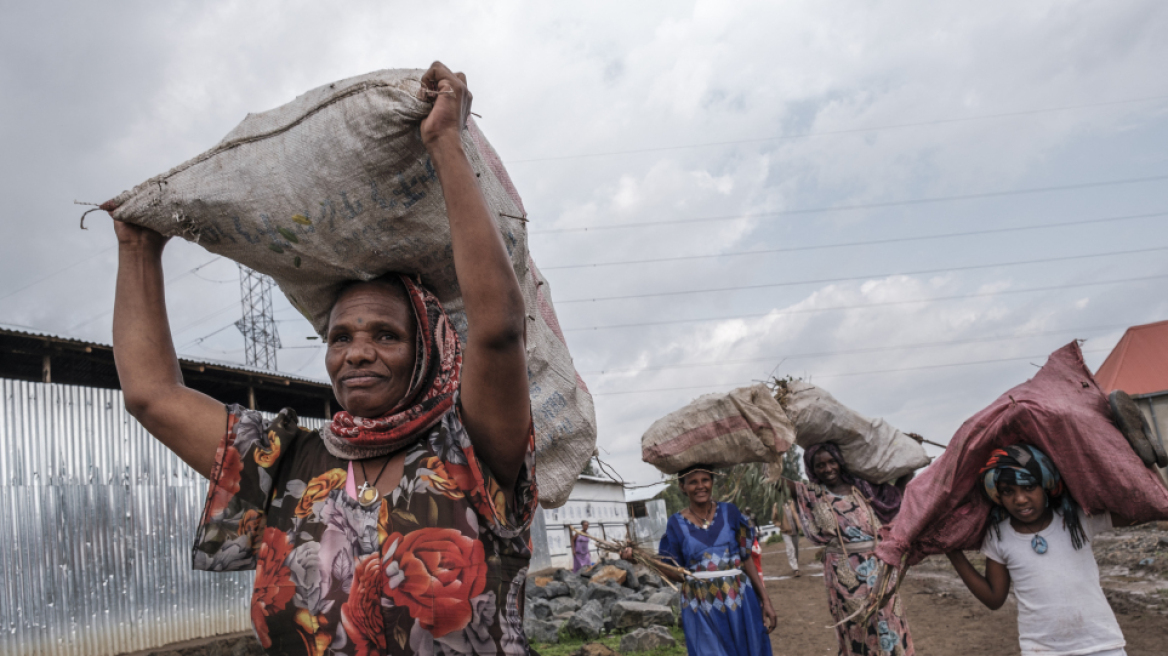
96,525
651,528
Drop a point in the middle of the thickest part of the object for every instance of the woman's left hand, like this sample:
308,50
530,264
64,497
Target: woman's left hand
447,90
769,619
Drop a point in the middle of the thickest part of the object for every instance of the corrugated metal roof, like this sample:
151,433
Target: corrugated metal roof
26,331
598,479
645,493
1139,362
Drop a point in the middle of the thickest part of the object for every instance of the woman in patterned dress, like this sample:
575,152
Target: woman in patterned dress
725,610
844,513
403,526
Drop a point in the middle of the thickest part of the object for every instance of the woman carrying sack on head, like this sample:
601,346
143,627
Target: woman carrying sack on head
725,610
403,526
844,513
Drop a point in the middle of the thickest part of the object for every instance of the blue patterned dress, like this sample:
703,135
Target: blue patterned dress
721,615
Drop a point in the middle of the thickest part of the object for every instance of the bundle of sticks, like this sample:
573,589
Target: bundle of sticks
669,572
888,580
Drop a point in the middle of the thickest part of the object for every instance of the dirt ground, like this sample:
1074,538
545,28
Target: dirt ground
945,618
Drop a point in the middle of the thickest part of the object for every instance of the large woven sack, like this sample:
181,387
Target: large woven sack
746,425
872,449
1063,412
337,185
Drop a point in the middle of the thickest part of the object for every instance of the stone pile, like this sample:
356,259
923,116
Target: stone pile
1141,550
610,596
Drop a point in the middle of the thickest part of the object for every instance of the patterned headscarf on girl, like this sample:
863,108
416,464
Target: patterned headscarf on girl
1022,464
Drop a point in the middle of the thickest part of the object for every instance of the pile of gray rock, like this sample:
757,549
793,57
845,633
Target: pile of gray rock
610,596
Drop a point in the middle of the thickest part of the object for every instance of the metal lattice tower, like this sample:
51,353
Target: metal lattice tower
258,325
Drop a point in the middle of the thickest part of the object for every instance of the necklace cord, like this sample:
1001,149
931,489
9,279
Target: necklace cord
705,522
366,476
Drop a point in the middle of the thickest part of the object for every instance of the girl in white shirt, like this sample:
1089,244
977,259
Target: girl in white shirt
1038,539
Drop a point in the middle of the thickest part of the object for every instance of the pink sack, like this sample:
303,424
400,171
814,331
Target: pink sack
1064,413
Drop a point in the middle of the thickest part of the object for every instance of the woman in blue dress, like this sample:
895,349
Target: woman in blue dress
725,610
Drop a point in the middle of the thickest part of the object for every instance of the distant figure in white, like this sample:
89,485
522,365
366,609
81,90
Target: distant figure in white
789,526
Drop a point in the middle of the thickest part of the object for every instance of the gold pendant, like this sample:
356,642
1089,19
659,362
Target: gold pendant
367,495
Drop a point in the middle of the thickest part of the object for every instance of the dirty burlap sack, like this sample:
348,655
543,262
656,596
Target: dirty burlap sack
337,185
872,449
1063,412
746,425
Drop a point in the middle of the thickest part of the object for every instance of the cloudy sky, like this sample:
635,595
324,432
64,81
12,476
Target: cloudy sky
909,202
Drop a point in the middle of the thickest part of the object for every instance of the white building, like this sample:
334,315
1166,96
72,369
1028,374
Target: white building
600,501
603,504
648,514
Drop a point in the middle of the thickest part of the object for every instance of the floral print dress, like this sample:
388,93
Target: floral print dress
827,518
435,568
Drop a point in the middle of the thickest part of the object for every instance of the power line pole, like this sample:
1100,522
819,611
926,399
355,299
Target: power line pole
258,325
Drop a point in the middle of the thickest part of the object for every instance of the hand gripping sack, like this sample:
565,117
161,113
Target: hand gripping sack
337,185
1063,412
872,449
746,425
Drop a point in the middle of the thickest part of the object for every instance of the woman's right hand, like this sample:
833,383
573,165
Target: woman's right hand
188,422
139,238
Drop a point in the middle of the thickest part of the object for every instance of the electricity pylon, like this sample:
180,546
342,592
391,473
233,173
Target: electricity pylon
258,325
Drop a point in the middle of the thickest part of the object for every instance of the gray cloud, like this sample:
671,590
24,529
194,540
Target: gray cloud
102,97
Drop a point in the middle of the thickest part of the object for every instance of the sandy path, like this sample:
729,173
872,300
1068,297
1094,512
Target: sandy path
944,617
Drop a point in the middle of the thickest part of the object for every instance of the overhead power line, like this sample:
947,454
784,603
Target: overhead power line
205,318
855,351
841,375
943,366
824,281
865,206
57,272
866,242
110,311
827,133
861,306
311,358
199,340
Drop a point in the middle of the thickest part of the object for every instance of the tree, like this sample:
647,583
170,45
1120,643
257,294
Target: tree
745,485
792,463
675,500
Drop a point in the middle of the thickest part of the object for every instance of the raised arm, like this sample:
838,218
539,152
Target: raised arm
495,403
187,422
990,589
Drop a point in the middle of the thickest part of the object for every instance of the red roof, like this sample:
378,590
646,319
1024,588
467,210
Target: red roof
1139,362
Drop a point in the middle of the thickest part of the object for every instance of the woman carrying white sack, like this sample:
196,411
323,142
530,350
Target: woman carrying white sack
403,526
